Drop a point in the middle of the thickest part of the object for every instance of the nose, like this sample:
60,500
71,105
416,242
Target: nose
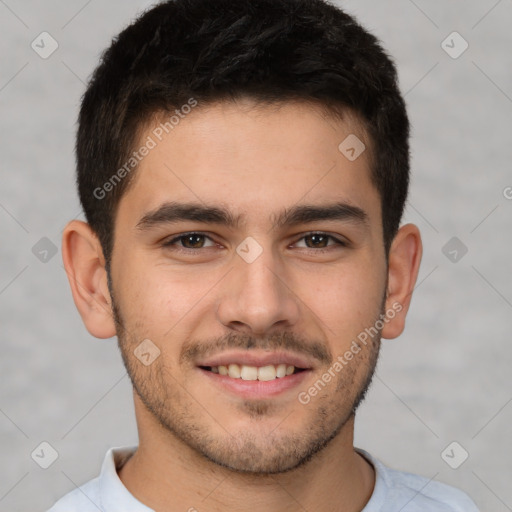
257,297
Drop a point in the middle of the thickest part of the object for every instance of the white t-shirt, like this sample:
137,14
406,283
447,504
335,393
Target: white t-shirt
394,491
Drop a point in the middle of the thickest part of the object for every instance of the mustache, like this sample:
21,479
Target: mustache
192,350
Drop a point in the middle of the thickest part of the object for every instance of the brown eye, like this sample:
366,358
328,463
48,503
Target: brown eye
317,241
191,241
320,241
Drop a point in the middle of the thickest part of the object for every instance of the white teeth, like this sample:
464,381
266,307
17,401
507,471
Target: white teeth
249,372
267,373
262,373
234,371
281,370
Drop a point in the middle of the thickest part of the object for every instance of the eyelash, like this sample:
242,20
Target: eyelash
169,244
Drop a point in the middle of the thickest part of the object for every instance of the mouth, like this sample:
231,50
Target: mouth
256,374
261,373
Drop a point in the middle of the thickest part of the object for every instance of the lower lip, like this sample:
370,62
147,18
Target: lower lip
257,388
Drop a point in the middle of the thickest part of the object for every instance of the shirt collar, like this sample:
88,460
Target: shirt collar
114,496
380,489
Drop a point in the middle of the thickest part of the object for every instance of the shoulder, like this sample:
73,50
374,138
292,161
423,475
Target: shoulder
400,490
106,492
417,493
83,499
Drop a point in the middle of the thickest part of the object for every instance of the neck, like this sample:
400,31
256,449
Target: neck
167,476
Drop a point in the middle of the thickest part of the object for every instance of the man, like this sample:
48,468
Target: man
243,167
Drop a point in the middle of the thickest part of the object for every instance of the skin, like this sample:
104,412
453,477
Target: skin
201,446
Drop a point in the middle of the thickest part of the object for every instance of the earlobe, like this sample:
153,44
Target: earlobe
85,267
403,267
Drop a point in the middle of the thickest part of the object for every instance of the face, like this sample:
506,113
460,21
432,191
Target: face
249,251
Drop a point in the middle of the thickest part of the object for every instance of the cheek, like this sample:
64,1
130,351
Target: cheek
160,299
346,299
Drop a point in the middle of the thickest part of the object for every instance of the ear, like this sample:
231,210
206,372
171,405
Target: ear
403,267
85,266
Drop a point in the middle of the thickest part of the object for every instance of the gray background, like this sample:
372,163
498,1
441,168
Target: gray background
447,378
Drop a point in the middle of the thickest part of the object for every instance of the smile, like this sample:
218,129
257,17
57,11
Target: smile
261,373
256,374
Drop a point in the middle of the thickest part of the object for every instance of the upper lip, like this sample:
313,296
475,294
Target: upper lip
257,358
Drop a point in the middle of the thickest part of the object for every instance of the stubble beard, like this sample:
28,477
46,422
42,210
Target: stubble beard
189,421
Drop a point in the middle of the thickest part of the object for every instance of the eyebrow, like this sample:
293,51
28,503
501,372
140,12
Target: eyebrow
173,212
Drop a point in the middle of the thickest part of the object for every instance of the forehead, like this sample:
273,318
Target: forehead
253,158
